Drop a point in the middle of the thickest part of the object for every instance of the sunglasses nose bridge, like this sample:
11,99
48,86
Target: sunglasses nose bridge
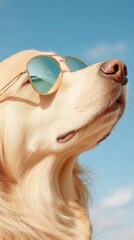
65,71
63,65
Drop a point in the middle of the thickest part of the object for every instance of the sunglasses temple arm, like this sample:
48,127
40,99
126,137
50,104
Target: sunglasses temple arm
3,90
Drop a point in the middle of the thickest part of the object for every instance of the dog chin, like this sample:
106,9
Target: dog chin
117,106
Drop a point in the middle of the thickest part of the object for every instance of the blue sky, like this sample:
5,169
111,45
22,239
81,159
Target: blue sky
93,31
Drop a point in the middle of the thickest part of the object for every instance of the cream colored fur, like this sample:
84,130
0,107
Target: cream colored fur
42,195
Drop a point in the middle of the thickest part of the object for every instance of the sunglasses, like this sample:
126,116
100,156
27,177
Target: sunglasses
45,73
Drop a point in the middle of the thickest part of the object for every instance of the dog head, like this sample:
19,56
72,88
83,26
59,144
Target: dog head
42,195
73,119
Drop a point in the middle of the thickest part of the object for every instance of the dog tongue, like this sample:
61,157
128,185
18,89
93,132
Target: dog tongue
66,137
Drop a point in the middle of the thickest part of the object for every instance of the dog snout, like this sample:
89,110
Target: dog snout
115,69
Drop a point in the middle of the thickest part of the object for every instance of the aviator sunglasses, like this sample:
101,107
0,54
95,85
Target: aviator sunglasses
45,73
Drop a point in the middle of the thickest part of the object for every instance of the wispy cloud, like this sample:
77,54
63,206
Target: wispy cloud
113,218
127,233
107,220
106,50
119,198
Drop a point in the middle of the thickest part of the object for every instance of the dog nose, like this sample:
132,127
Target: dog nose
115,69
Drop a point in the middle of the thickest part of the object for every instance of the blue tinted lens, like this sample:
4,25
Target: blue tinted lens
75,64
43,71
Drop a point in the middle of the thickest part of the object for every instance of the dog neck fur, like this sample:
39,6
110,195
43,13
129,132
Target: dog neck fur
54,198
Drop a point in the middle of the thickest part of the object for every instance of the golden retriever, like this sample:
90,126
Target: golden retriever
42,194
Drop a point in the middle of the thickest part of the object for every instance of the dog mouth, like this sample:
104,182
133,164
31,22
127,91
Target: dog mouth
118,103
66,136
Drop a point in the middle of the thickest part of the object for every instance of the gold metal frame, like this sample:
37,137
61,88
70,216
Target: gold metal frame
65,57
58,81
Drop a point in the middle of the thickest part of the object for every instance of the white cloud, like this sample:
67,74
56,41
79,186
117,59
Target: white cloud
105,220
106,50
127,234
113,218
113,224
119,198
